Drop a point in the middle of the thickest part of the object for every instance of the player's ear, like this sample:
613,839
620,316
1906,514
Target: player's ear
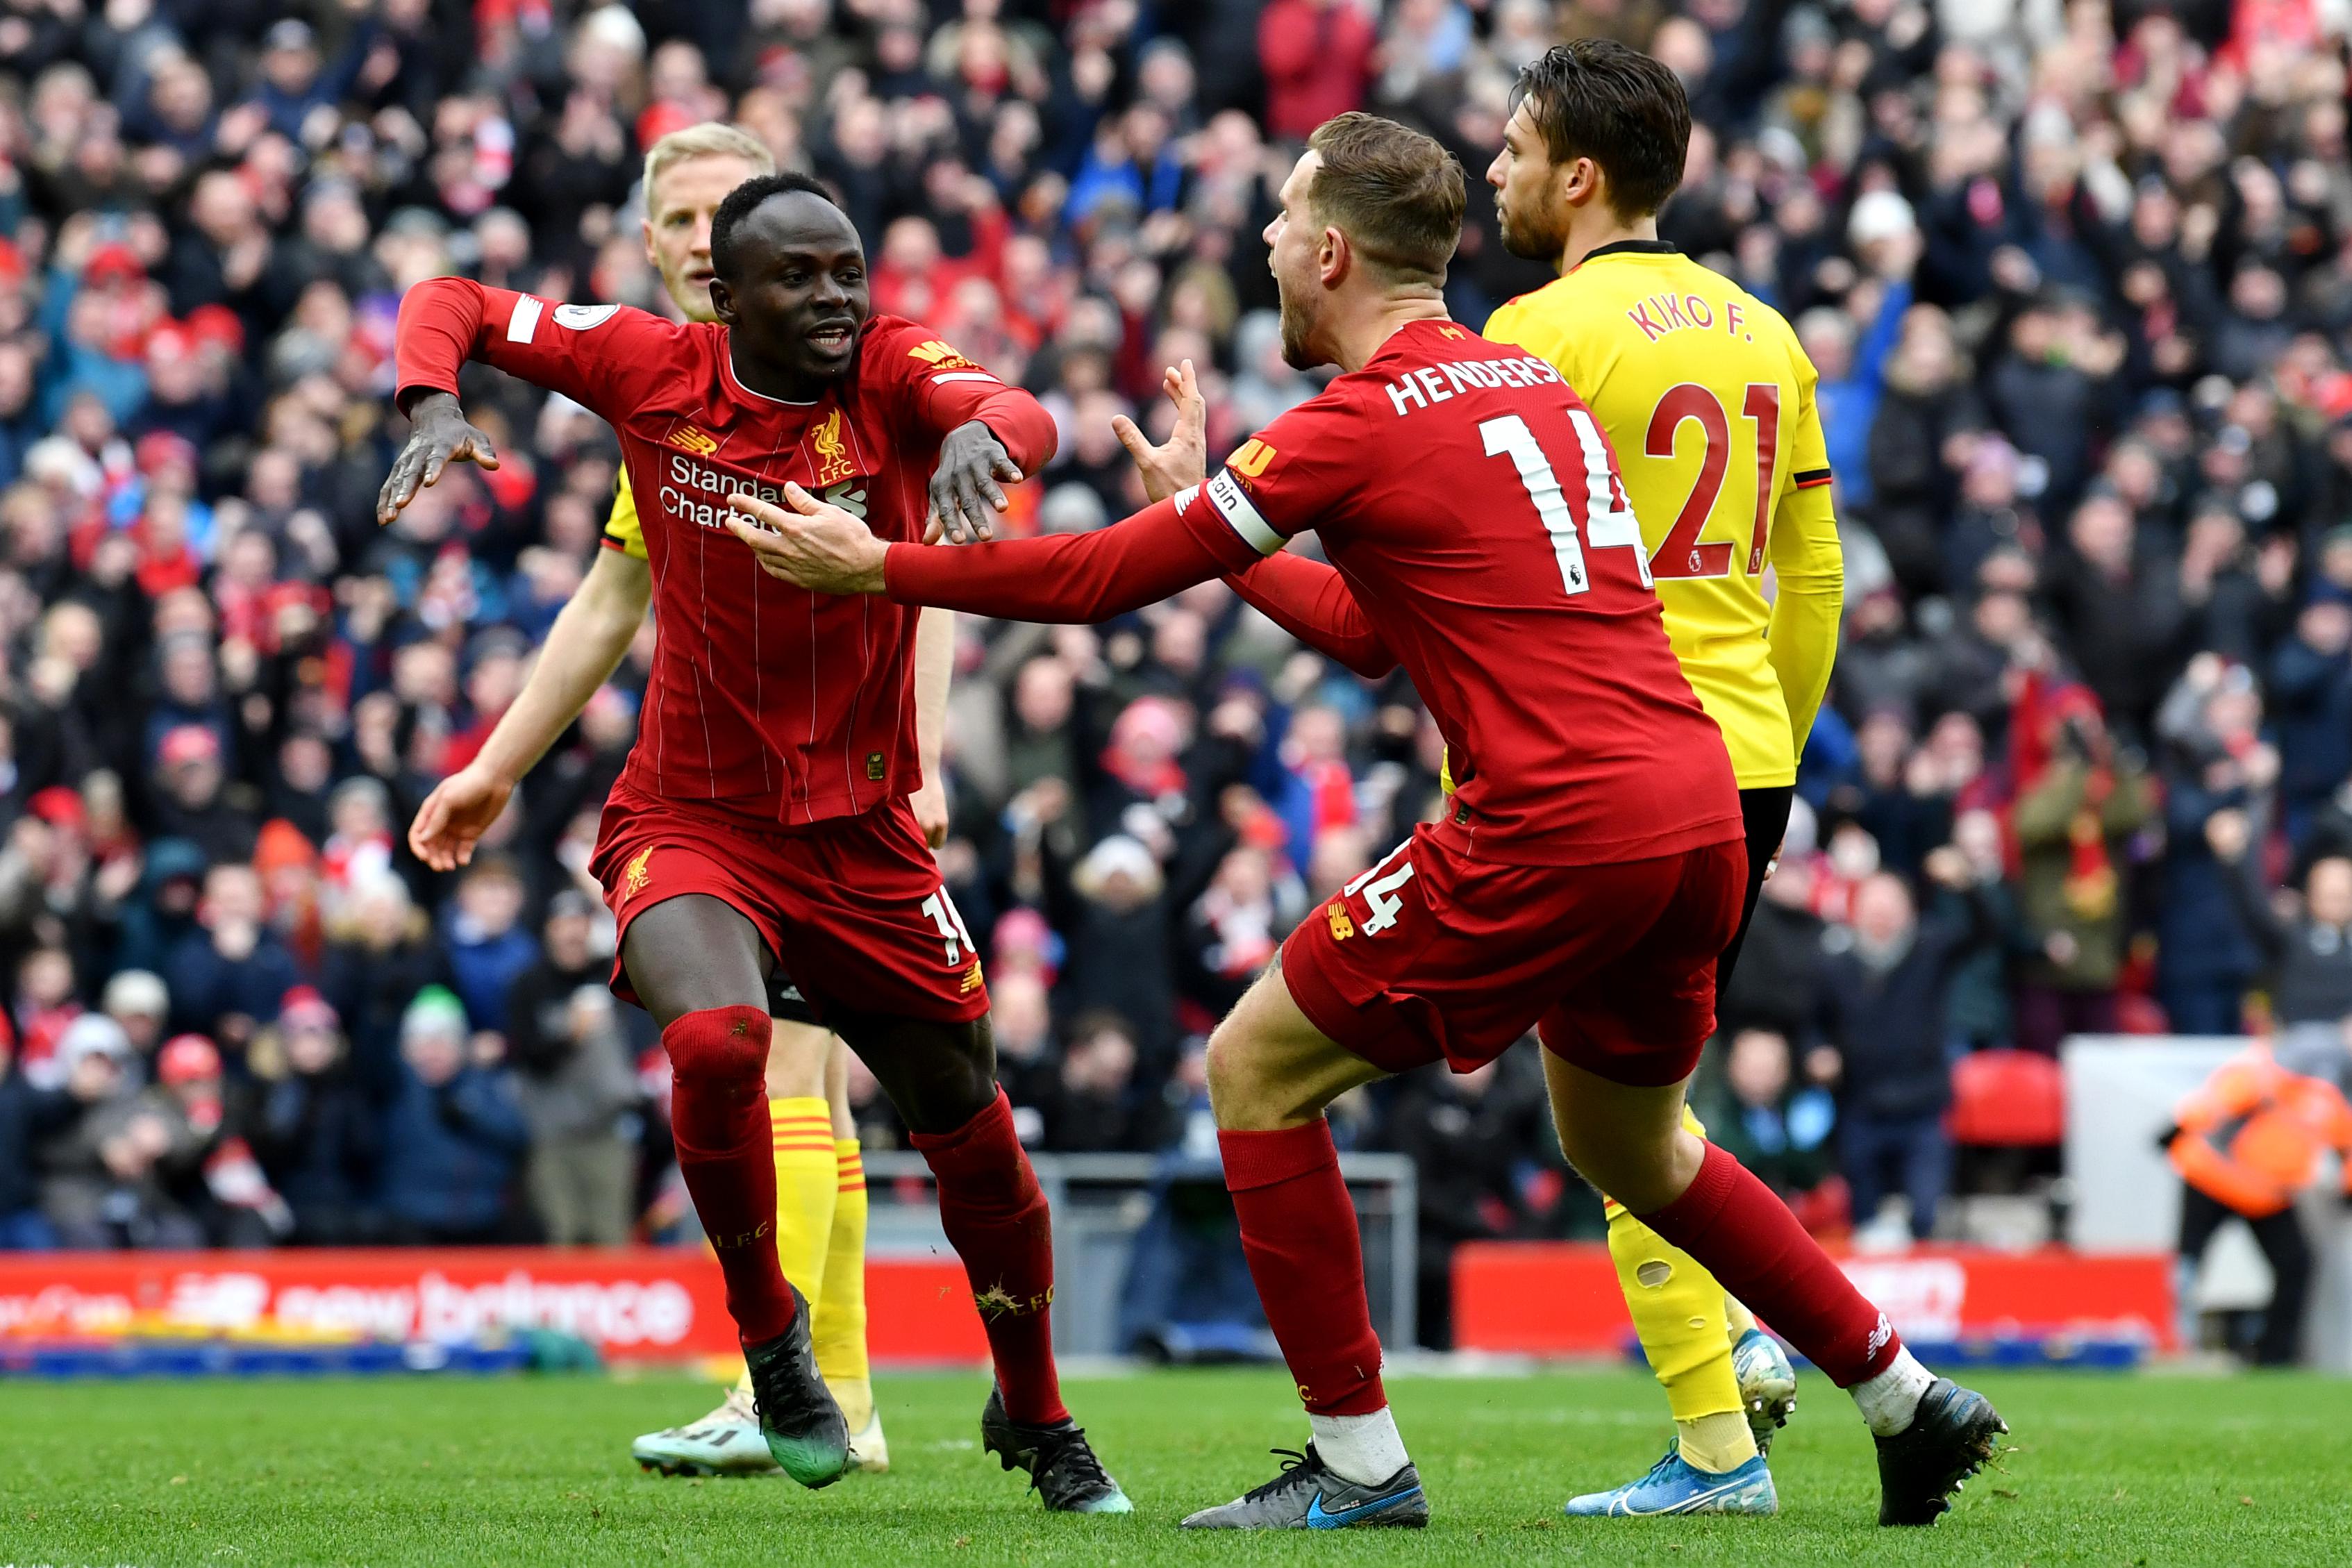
722,302
1581,180
1336,258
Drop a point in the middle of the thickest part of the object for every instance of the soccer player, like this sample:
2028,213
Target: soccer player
820,1179
1708,402
763,812
1585,878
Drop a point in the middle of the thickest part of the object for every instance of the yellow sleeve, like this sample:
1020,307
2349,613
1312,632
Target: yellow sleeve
1809,568
623,532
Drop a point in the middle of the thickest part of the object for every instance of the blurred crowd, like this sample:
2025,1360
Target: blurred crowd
2077,279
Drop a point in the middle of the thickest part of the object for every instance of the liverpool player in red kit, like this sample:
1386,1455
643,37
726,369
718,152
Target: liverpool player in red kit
1586,875
762,813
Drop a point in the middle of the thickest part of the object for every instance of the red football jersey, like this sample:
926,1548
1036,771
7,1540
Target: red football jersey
1472,505
766,702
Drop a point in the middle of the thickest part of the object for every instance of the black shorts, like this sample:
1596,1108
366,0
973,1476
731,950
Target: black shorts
1766,814
785,1001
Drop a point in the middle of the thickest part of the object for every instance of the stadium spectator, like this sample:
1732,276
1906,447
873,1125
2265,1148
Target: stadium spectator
111,1175
1780,1125
1884,990
574,1081
453,1139
315,1127
227,976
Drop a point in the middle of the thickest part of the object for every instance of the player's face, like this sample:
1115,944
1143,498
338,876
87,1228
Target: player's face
1534,221
679,210
802,293
1294,253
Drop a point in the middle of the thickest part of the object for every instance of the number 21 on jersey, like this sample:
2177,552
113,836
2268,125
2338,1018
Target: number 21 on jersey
1608,518
1680,554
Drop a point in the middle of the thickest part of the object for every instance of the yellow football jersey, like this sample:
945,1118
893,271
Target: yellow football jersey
1708,402
623,532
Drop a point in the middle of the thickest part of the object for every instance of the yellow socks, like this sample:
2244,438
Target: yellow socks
1678,1311
805,1183
840,1322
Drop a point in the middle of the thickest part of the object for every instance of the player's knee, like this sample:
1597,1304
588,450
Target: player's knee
719,1047
1243,1095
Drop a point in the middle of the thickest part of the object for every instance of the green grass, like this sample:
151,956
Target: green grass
2156,1471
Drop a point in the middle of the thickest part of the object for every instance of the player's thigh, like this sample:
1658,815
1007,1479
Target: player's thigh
1270,1068
695,952
837,1088
939,1073
797,1054
1628,1139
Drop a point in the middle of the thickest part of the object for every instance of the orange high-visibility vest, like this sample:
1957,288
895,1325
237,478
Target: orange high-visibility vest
2251,1137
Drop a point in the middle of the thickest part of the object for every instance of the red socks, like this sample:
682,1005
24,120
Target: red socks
1750,1241
997,1220
718,1119
1299,1232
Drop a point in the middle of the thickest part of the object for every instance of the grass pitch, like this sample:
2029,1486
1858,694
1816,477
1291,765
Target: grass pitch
2151,1470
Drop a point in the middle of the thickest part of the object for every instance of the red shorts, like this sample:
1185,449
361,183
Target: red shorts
852,909
1430,953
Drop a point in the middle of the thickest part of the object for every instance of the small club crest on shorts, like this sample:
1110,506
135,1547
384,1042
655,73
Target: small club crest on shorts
636,875
874,767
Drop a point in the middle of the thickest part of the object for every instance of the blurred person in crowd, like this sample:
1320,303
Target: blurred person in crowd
2311,696
574,1080
140,1004
1121,945
2247,1143
487,943
152,924
454,1140
1472,1137
1782,1125
1022,1017
192,803
27,1117
220,1181
227,976
2074,824
1098,1107
1884,989
315,1127
2218,765
381,954
2309,950
109,1174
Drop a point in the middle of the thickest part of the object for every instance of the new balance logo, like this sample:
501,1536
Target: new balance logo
694,439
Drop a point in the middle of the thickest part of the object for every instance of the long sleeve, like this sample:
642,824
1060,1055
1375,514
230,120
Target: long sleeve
1808,572
1073,577
943,390
600,356
1311,600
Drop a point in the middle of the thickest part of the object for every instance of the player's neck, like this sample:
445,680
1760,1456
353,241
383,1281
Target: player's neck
770,381
1606,228
1353,344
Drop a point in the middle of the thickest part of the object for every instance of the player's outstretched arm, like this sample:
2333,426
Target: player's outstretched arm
583,648
1311,601
1078,577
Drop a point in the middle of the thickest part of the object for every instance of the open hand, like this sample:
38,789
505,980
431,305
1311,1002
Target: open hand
815,546
1184,458
442,435
454,817
964,486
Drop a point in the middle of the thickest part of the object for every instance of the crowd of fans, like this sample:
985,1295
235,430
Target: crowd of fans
2078,281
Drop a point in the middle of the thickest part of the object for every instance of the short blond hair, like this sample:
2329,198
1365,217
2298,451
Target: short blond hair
711,139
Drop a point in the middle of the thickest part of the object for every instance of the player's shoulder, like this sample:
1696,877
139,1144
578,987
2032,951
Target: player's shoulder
901,343
1551,312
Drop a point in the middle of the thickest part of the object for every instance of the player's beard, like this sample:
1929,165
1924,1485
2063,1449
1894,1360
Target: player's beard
1533,235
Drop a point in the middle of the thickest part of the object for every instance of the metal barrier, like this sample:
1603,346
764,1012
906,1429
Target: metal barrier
1101,1203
